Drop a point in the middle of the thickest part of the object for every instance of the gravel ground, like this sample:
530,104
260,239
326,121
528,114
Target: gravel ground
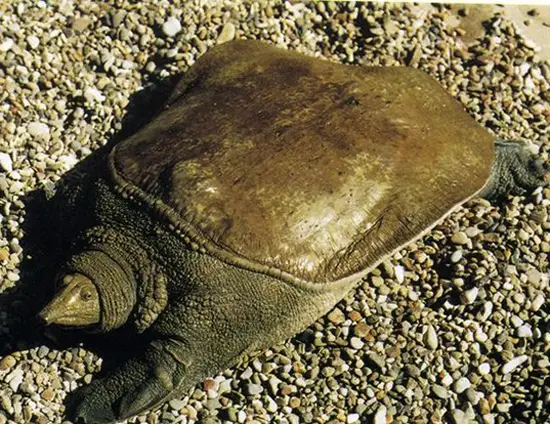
455,328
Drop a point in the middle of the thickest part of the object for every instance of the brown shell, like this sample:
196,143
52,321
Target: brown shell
302,168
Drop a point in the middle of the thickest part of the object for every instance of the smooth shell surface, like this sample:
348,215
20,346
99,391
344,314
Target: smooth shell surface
303,168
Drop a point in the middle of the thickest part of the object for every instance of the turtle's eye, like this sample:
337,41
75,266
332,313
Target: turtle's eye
86,294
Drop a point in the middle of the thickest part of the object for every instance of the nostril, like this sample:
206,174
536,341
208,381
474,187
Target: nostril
44,317
48,314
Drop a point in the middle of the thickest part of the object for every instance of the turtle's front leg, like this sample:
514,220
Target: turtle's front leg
138,385
515,170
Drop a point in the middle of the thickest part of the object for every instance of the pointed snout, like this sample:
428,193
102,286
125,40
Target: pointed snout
76,304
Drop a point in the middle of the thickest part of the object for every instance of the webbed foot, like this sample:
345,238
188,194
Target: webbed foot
137,386
516,170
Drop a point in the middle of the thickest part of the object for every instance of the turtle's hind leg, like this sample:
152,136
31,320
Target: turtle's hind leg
516,170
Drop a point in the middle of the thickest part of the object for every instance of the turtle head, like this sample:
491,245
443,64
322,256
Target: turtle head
97,291
76,304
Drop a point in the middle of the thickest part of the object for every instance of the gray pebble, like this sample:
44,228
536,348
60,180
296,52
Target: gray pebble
461,385
440,391
254,389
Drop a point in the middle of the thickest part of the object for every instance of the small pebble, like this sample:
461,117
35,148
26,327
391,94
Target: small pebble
7,362
524,331
399,273
460,238
356,343
15,379
469,296
6,45
430,338
227,33
537,302
336,316
5,162
512,364
254,389
459,417
380,417
461,385
484,368
440,391
456,256
171,26
177,404
38,129
33,41
353,418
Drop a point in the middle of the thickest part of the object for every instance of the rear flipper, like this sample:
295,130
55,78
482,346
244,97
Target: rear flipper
516,170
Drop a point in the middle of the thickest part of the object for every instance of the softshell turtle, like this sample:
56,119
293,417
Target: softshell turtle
267,187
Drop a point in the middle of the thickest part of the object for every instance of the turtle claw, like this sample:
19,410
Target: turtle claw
146,397
90,405
136,386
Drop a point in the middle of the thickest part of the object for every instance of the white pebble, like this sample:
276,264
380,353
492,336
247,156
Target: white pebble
14,379
430,338
356,343
247,373
271,404
380,416
513,363
150,67
5,162
399,272
171,26
537,303
469,296
447,380
241,416
456,256
525,331
524,68
461,385
67,161
481,336
12,276
516,321
92,94
33,41
484,368
488,418
6,45
507,285
38,129
353,418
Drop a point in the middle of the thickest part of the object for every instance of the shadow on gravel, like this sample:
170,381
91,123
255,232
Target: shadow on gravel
47,236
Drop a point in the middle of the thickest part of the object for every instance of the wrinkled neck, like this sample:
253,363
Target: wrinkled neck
112,274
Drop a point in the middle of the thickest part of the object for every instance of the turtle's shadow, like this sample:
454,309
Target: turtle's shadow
43,247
